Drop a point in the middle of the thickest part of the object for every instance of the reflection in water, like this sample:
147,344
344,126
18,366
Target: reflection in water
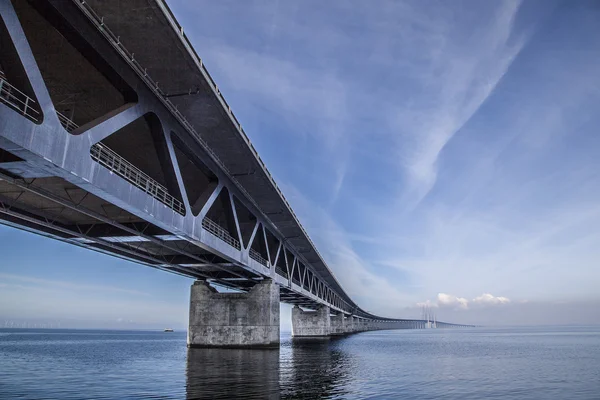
232,374
467,364
314,369
301,369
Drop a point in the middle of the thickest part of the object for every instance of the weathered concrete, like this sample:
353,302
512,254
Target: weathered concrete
365,325
358,324
311,323
338,325
351,324
234,319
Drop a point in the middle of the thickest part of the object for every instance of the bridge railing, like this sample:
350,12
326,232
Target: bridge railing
153,85
186,42
220,232
109,159
17,100
256,256
66,122
142,72
281,272
120,166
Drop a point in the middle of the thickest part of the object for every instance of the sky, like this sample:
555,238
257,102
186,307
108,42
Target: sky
438,153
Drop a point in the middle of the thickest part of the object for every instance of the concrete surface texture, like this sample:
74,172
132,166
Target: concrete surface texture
311,323
339,325
234,319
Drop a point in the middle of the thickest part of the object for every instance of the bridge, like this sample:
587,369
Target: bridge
114,137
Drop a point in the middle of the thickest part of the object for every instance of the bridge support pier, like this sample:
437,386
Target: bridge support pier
311,323
359,325
339,325
234,319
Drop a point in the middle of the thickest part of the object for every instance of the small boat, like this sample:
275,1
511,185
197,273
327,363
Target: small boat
168,330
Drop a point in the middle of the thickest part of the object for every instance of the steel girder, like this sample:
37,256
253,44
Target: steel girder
48,147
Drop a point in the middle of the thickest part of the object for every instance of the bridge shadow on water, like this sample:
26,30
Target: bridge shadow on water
300,369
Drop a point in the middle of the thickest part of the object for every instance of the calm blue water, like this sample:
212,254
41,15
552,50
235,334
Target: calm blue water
523,363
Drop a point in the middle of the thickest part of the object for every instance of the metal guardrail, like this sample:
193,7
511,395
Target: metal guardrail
227,108
255,255
198,61
66,122
117,164
115,41
143,73
17,100
220,232
114,162
281,272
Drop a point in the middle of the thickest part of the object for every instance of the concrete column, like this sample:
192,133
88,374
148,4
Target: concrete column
360,325
234,319
311,323
338,325
349,324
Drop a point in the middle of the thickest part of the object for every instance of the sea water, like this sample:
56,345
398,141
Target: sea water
479,363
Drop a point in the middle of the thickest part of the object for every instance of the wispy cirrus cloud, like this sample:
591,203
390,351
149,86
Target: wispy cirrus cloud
454,83
372,291
322,98
442,152
451,146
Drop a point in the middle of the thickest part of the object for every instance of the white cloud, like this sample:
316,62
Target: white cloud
510,212
488,299
449,78
448,300
445,300
454,85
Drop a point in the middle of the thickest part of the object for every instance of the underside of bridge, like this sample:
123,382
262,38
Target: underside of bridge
105,145
84,89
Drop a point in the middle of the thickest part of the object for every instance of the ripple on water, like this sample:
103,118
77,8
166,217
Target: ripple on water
522,363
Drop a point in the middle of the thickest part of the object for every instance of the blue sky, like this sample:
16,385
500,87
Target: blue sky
437,152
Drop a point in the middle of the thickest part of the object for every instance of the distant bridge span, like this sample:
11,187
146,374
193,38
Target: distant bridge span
114,137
